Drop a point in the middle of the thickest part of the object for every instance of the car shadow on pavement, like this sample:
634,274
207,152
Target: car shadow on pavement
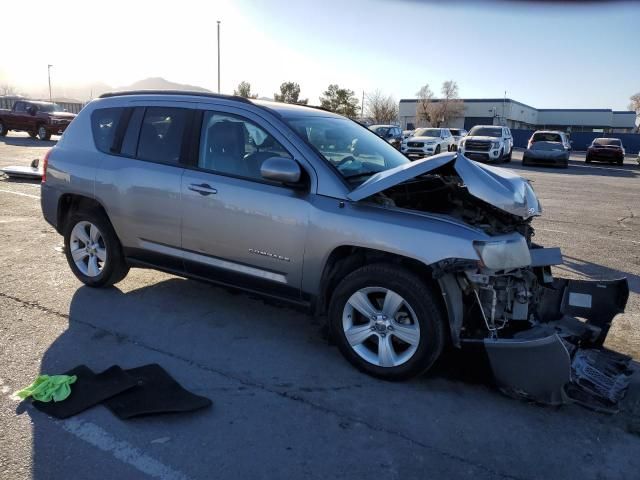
27,142
580,168
271,374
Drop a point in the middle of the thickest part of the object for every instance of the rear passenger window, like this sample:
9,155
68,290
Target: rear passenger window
161,134
104,123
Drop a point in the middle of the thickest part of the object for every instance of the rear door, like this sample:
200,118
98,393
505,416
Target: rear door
238,228
139,177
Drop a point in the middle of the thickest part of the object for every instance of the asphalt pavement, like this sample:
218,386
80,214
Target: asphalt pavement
285,403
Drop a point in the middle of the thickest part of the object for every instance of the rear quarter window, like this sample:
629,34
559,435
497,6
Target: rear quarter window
104,123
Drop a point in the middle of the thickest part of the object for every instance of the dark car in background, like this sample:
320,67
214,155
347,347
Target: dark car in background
606,150
391,133
547,147
38,119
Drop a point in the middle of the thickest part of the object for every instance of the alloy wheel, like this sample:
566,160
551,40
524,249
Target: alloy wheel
88,249
381,327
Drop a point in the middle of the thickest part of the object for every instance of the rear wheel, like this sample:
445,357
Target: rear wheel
43,134
3,129
386,322
93,250
33,133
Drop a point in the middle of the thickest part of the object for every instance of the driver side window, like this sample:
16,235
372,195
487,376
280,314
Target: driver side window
232,145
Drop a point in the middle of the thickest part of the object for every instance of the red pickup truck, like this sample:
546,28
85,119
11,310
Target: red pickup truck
39,119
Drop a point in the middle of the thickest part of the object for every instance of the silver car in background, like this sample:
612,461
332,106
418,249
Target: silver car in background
303,205
547,147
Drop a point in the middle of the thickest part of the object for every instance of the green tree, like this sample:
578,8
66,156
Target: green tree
244,90
340,100
290,93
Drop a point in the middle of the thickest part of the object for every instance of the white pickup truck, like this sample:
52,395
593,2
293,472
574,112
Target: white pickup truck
487,143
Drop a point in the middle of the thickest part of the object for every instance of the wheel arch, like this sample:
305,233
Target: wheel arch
70,203
347,258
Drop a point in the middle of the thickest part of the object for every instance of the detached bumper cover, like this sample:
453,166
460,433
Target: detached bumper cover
562,359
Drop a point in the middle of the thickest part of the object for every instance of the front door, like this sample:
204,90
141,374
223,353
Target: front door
238,228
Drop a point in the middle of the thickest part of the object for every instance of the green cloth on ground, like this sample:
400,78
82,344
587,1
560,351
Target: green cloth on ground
48,387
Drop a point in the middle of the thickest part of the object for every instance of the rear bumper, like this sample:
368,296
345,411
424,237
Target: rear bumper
599,156
546,158
49,198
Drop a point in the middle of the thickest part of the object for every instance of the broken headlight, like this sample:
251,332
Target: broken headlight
504,254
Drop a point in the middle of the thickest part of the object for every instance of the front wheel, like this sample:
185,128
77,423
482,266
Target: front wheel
43,134
437,151
509,156
386,322
93,250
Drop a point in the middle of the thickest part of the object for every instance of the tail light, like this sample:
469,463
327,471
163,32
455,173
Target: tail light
45,164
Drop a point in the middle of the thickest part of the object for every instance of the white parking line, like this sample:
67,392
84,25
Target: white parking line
609,169
20,193
123,451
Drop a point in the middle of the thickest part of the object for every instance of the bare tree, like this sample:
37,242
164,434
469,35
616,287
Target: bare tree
8,89
450,105
244,90
635,103
381,108
425,105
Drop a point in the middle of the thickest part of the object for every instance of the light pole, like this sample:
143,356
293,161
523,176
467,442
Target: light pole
218,56
49,75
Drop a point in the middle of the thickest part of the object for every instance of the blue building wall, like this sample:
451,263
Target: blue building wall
581,140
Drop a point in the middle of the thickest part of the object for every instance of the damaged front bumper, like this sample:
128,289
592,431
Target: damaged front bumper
562,358
553,352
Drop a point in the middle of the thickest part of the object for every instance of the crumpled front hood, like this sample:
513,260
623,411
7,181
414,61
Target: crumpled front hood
497,186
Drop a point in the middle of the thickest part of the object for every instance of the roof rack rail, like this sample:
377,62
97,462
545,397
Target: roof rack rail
175,92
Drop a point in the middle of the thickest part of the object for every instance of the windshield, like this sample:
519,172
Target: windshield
485,132
607,141
546,137
50,107
427,132
353,150
454,131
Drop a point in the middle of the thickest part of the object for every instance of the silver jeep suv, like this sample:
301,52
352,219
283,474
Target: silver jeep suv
305,205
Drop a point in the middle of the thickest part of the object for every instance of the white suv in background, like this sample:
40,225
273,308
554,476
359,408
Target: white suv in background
428,141
487,143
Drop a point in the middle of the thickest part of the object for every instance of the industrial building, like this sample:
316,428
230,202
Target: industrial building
517,115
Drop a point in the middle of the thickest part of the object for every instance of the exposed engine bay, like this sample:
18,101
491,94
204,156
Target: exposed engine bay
543,337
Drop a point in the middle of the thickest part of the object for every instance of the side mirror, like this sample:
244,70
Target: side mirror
280,169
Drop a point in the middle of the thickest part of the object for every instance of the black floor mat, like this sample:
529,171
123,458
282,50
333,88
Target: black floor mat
89,389
155,392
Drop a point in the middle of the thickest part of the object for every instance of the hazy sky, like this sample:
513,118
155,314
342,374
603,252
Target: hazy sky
543,55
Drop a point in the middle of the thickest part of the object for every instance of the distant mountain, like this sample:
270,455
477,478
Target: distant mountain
159,83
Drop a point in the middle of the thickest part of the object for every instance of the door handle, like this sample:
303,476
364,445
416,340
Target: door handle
202,189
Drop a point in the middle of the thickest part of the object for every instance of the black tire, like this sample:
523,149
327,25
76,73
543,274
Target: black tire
42,133
115,268
565,164
422,301
33,133
437,151
509,156
501,156
3,130
621,161
587,160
